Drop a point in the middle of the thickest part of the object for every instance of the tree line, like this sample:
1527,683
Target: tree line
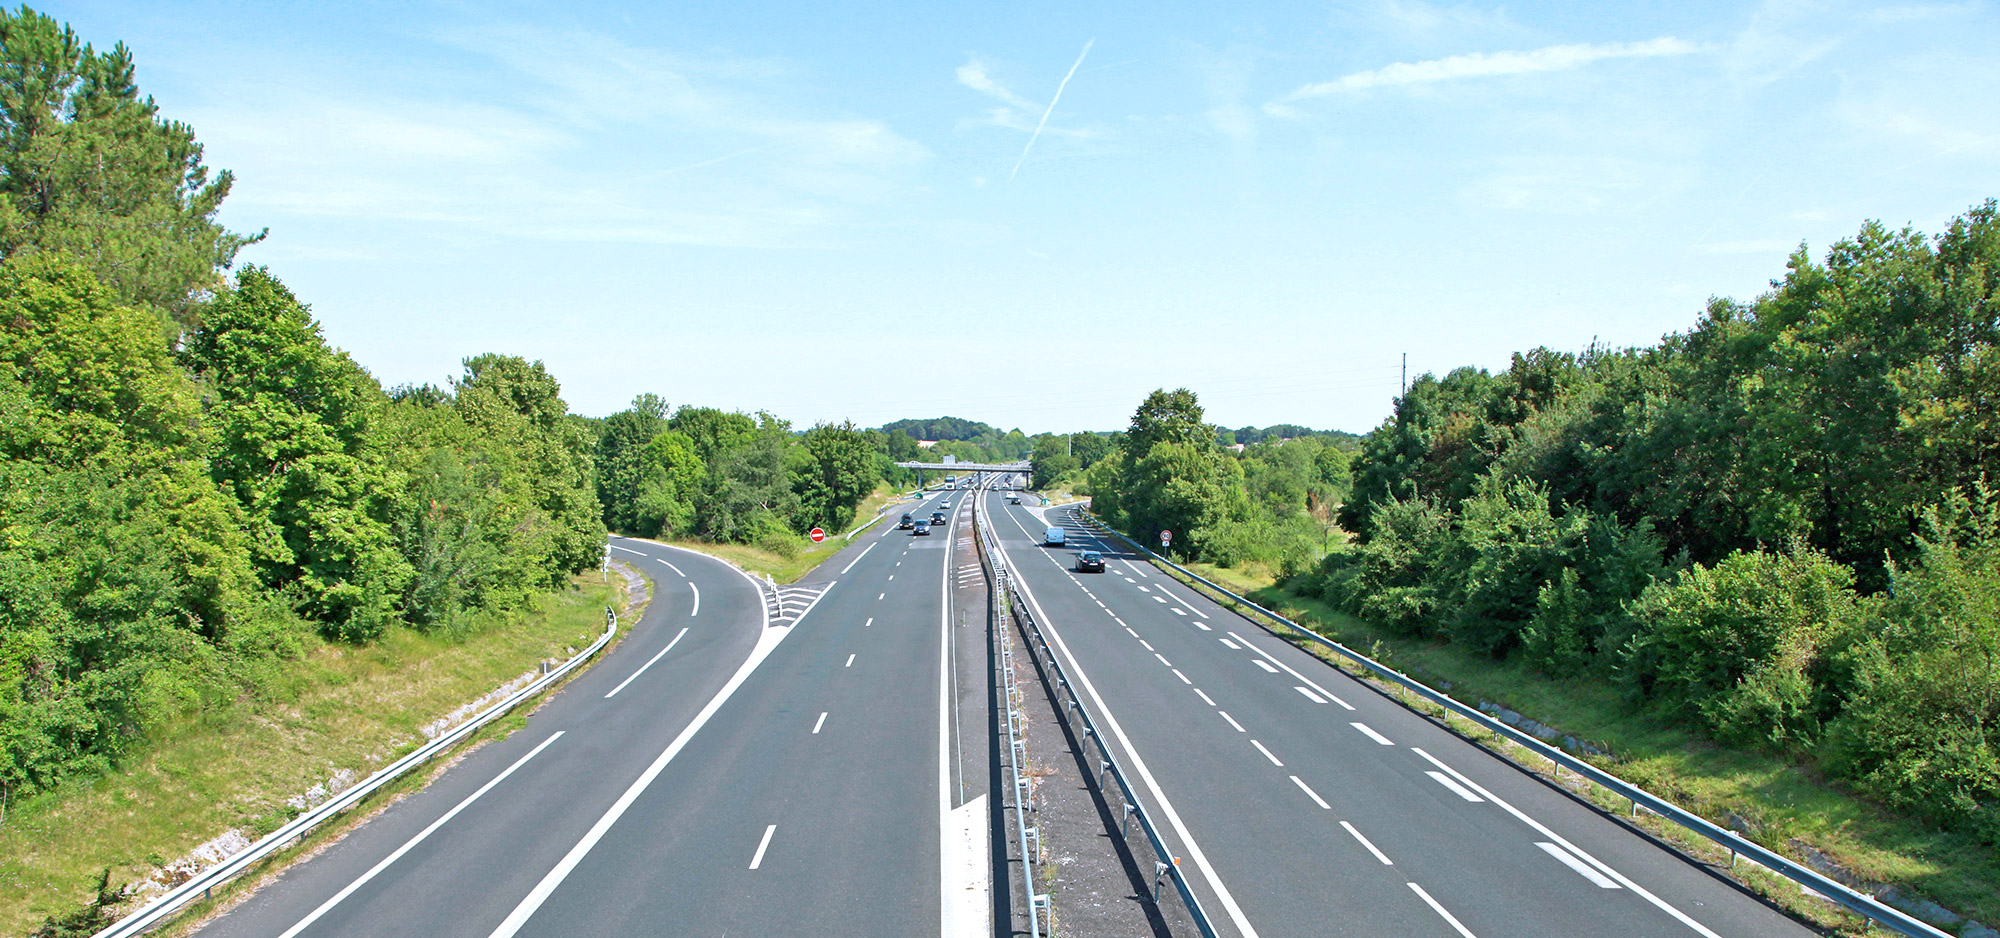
1779,524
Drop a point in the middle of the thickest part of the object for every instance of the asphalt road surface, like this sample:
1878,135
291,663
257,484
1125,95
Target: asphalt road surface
1306,803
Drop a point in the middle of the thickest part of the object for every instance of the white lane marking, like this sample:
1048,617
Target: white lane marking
878,596
1099,602
1293,672
677,570
1267,754
1231,719
1203,626
892,576
1149,645
1263,665
696,608
1371,734
628,550
1113,614
1195,853
648,664
1160,600
1433,903
1135,567
412,842
1180,612
1455,787
1621,878
871,621
850,662
1127,579
1163,659
526,909
1315,698
1582,869
1144,590
1310,793
1204,697
819,723
1365,842
899,563
762,845
1128,630
1183,677
1176,598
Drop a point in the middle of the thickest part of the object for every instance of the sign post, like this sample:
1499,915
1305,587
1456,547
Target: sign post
817,535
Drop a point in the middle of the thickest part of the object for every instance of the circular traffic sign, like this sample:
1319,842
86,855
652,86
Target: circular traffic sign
817,535
1166,537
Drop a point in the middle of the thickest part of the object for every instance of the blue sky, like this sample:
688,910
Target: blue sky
833,211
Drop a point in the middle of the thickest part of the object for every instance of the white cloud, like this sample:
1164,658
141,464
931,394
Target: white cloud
973,75
1487,64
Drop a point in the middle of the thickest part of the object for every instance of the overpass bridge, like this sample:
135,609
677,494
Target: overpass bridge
1023,467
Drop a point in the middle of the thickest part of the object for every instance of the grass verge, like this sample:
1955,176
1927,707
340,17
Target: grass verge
1782,804
339,708
787,568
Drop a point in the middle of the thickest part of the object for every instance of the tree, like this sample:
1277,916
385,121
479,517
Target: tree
620,456
836,473
518,401
1167,417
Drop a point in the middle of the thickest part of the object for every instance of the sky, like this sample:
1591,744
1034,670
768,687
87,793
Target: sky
1032,214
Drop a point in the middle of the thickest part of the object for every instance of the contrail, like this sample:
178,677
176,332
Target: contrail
1052,107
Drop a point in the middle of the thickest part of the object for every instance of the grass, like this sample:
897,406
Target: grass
1784,803
788,568
339,708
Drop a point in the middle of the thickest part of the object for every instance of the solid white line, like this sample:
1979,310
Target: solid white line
1204,697
512,924
1455,787
1266,752
649,663
1315,698
857,559
1310,793
1183,677
412,842
1379,855
1433,903
819,723
947,876
1582,869
1263,665
1572,848
1371,734
1293,672
758,860
850,662
696,609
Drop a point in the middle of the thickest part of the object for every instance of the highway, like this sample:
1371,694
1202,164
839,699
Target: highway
1307,803
732,767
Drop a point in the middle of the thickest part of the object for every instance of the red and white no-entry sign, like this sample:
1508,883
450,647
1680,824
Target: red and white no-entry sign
817,535
1166,537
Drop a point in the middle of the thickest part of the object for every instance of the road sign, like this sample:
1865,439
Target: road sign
817,535
1166,537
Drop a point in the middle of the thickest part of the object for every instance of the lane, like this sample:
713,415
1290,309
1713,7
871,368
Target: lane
1304,807
426,865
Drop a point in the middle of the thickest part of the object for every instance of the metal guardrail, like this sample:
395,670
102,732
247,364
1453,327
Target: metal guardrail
153,913
1165,864
1017,744
1864,905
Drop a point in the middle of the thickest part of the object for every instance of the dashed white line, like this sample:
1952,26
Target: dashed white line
1128,630
1315,698
628,550
1204,697
1203,626
1371,734
819,723
1379,855
1144,590
1180,612
1292,671
850,662
696,608
1455,787
649,663
1433,903
1266,752
1163,659
1160,600
1231,719
1310,793
871,621
1582,869
762,845
1265,665
1183,677
878,596
1149,645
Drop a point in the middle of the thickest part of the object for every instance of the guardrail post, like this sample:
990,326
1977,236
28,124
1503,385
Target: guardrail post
1159,872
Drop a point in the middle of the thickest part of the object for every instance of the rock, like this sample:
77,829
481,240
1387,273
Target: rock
1919,906
1976,930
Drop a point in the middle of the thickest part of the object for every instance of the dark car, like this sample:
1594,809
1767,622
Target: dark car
1013,499
908,521
1089,561
937,517
922,528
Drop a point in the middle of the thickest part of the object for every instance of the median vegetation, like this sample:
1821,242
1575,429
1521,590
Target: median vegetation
1775,530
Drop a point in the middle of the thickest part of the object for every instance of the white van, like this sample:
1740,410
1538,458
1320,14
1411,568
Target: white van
1053,537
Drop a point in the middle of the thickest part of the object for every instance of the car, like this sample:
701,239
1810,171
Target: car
1053,537
908,521
937,518
944,505
1013,499
922,528
1089,561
